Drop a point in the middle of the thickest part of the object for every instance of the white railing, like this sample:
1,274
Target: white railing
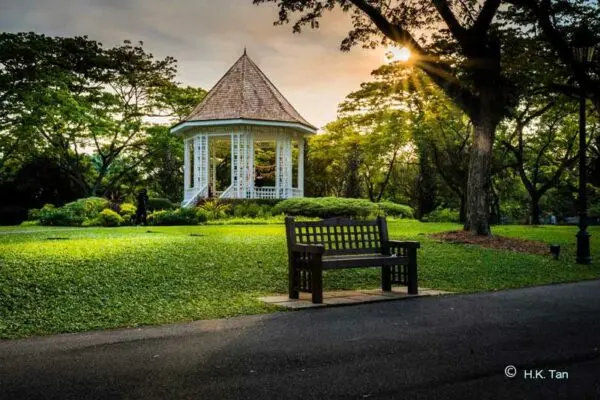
192,195
265,192
227,194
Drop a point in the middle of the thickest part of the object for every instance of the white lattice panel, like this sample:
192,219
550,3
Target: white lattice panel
201,162
284,166
242,165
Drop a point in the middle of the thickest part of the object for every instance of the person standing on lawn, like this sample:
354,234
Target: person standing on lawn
142,202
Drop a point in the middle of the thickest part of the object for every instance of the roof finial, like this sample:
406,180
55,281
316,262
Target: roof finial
245,50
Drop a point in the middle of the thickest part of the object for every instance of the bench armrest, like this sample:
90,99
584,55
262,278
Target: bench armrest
407,244
308,248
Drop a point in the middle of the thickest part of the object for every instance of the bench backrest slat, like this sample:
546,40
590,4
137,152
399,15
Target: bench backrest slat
339,235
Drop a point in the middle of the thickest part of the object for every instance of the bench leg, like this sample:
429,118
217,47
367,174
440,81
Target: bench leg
293,281
386,279
412,272
317,283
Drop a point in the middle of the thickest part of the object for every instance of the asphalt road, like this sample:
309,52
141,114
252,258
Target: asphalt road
451,347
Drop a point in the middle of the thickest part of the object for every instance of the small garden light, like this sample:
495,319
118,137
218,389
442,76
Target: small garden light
555,250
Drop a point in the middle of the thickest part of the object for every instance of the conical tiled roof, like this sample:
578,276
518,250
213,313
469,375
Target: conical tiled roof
245,92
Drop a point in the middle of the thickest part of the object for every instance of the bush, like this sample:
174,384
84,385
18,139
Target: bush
215,209
201,216
30,223
157,204
74,213
326,207
181,216
33,214
443,215
127,211
252,210
60,217
88,207
109,218
396,210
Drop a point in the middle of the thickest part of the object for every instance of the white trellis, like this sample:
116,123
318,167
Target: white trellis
201,175
283,167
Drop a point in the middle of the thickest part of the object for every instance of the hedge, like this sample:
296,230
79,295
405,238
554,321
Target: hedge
327,207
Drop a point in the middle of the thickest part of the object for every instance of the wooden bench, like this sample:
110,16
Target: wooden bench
338,243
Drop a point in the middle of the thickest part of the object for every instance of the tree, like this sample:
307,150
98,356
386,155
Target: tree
463,59
542,143
83,103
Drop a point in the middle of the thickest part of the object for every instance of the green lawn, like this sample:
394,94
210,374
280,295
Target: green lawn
98,278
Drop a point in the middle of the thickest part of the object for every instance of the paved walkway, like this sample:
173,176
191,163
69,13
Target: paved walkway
443,347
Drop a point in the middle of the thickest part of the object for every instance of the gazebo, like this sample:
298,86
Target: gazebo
243,108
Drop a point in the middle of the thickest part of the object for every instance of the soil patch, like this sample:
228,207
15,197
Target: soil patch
494,242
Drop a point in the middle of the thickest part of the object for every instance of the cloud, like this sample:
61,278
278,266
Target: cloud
207,36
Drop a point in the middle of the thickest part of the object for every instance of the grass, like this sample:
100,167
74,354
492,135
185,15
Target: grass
55,280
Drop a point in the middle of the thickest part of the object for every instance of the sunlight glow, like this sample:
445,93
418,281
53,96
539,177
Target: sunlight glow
396,54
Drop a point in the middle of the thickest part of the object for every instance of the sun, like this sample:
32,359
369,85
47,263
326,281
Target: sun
397,54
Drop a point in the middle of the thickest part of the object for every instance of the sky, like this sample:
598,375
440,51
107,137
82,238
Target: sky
208,36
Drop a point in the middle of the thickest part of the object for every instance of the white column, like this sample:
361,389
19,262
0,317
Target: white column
284,166
235,164
277,168
186,164
201,164
301,166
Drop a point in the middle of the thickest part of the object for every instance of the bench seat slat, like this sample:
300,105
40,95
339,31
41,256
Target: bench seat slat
333,262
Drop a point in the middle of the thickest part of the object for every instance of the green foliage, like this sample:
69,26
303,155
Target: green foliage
216,209
252,210
326,207
62,216
443,215
202,216
180,216
389,208
594,210
127,211
30,223
109,218
74,213
33,214
157,203
88,207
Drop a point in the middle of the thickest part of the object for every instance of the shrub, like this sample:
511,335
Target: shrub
30,223
157,203
63,216
33,214
443,215
109,218
326,207
181,216
74,213
201,215
396,210
252,210
127,211
88,207
215,209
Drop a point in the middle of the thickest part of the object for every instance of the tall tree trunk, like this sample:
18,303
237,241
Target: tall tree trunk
478,183
462,217
535,210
